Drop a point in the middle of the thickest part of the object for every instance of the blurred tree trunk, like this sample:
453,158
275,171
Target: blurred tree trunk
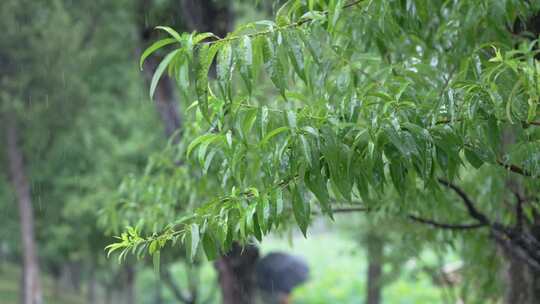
236,272
159,292
522,282
75,275
56,287
31,289
518,282
108,294
207,16
130,283
375,251
91,292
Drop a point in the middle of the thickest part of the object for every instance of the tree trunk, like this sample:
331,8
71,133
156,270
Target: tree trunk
159,293
236,272
375,251
522,282
91,292
207,16
108,294
130,284
74,269
56,287
31,289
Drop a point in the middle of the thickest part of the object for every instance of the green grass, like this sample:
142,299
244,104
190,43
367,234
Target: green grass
337,273
10,278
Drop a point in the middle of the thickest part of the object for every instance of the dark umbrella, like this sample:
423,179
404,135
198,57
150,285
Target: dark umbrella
278,273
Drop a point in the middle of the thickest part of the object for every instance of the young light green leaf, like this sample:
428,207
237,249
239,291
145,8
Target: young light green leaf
154,47
203,138
273,133
160,69
171,32
202,36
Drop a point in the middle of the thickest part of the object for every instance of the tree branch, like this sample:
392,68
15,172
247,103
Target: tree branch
418,219
467,201
352,209
446,226
514,168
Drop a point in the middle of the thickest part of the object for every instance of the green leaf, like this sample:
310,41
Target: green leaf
473,159
202,36
257,230
300,209
306,149
282,17
171,32
224,69
317,185
194,240
245,61
160,69
336,155
264,120
202,139
531,113
296,55
279,202
205,58
336,7
273,65
273,133
291,119
209,247
154,47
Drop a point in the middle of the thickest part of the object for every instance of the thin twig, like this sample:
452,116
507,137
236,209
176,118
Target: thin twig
352,209
288,26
